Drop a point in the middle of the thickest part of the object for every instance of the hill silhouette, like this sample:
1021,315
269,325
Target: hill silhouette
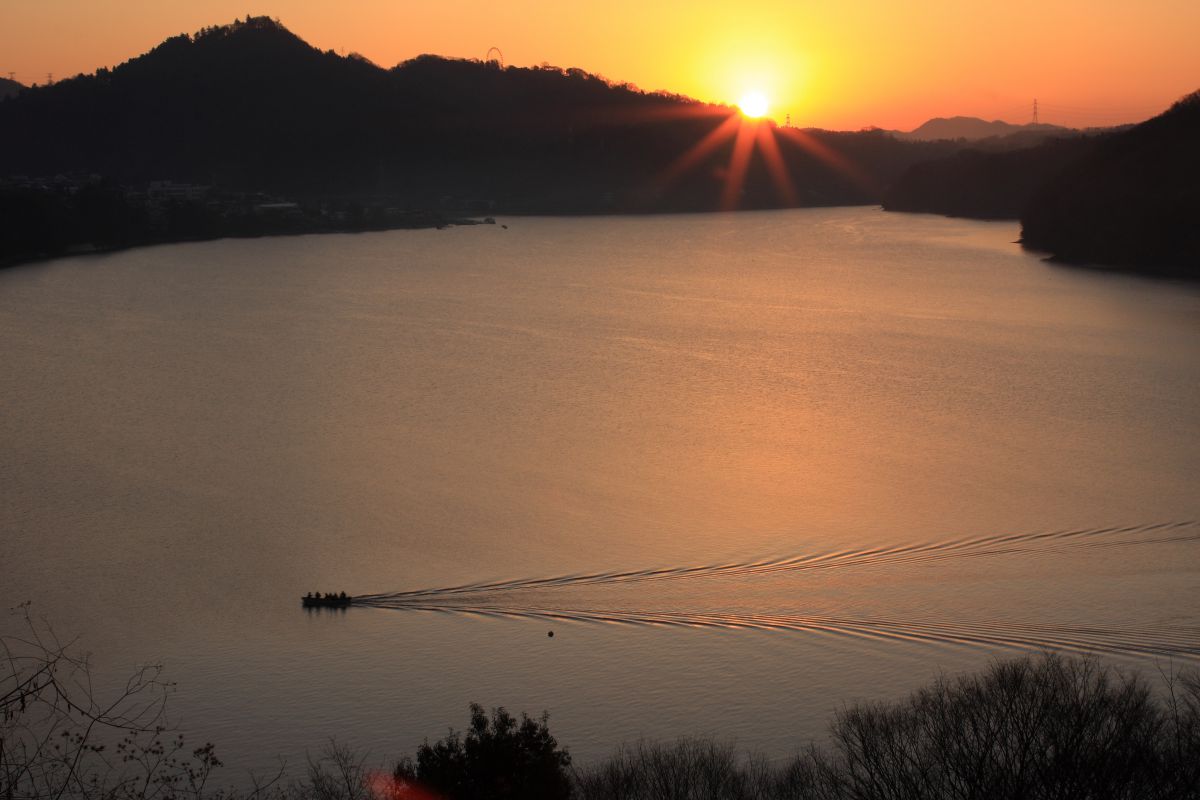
1134,200
973,128
1125,197
251,106
9,87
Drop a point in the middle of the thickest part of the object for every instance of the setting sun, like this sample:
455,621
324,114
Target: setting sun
834,357
753,104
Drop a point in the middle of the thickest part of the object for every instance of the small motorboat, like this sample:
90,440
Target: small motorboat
318,600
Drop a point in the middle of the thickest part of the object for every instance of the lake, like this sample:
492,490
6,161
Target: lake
747,467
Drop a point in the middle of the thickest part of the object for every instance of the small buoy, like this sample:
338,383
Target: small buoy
550,634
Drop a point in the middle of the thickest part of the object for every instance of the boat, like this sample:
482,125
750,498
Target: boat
318,600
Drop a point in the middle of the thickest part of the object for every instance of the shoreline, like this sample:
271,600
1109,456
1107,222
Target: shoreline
419,221
424,220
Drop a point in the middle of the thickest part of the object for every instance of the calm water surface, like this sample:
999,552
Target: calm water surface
773,462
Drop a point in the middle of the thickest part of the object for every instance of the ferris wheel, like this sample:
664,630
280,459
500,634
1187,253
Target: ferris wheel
494,56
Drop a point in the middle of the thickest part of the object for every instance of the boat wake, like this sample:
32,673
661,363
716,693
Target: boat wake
903,554
1167,641
504,598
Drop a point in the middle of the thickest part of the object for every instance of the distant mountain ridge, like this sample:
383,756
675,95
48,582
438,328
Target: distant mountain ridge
972,128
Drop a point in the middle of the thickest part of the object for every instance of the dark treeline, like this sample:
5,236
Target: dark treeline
1030,728
55,218
251,108
1128,198
984,184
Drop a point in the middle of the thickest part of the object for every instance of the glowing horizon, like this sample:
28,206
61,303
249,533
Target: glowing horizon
869,63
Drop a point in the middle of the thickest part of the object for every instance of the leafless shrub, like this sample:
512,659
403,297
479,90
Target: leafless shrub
337,774
60,739
690,769
1030,728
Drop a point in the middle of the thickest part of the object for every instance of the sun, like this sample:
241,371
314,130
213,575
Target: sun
753,104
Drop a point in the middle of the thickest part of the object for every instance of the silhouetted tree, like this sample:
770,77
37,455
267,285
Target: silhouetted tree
59,738
1034,728
498,759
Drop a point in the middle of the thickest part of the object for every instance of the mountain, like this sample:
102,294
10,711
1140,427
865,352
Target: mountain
251,106
1133,201
9,88
972,128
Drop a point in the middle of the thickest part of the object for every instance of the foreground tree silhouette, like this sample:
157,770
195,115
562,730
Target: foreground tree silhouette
60,737
1034,728
497,759
1031,728
1052,727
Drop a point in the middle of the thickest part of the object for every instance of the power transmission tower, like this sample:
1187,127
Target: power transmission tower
49,78
1035,116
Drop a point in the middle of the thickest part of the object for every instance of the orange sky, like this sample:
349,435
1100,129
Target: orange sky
841,64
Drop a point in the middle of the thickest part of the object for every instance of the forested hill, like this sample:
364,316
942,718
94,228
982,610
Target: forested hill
985,184
8,88
253,107
1134,200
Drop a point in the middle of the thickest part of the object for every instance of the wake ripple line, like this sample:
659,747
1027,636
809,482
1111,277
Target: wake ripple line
999,544
1180,643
